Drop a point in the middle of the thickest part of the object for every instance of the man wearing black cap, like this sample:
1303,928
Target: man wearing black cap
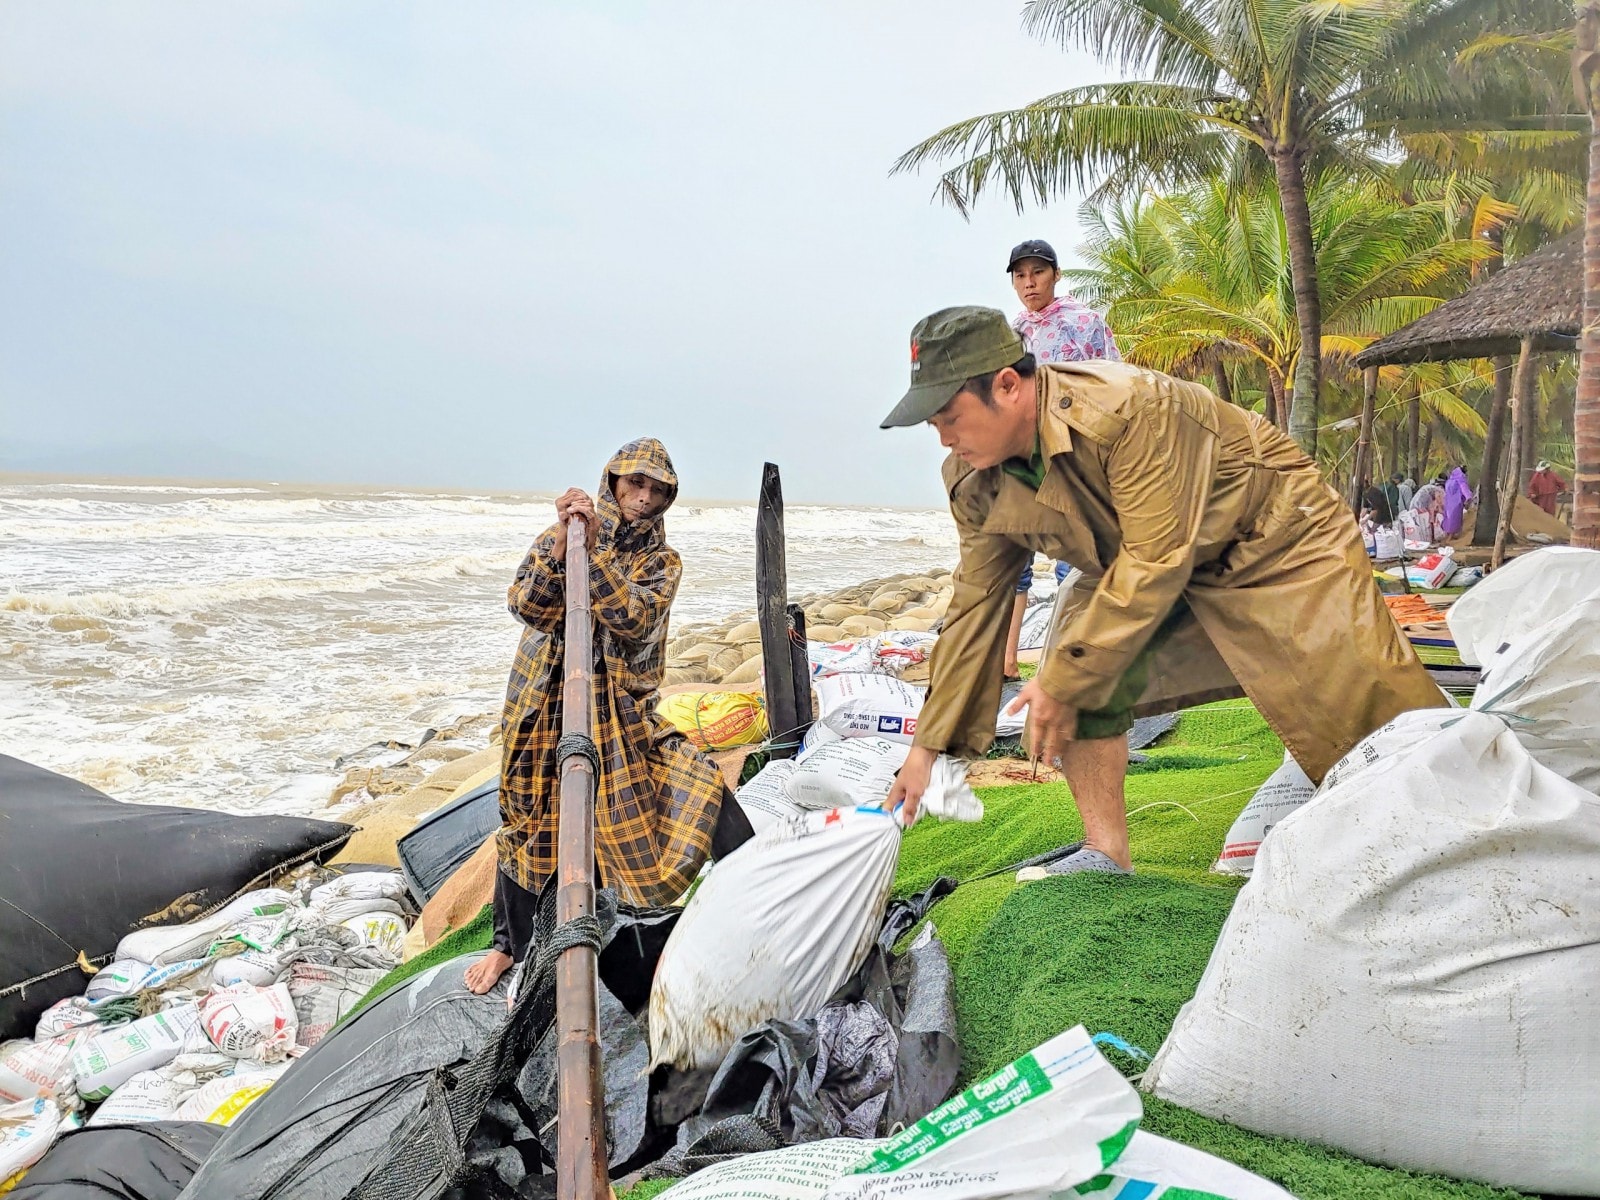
1216,561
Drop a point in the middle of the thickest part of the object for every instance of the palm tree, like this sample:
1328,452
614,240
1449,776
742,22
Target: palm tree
1286,89
1201,278
1586,408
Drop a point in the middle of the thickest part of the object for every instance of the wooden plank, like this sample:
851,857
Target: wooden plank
772,614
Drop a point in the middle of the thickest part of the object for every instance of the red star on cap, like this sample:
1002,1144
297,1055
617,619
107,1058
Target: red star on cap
914,350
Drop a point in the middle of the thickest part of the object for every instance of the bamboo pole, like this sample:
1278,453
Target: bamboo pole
580,1091
1511,480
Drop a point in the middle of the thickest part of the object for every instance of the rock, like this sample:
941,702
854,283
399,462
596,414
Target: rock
748,671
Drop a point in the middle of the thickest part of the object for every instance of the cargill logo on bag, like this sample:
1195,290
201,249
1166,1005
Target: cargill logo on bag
902,725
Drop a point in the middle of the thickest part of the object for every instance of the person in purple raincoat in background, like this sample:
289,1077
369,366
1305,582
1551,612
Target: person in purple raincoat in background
1457,495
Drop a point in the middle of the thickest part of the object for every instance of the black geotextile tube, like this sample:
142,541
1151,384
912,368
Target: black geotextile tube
428,1156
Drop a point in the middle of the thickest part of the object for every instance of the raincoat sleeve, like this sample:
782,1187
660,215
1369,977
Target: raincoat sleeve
538,595
969,657
1159,469
633,594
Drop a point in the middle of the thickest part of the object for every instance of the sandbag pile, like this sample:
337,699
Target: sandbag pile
1410,973
193,1022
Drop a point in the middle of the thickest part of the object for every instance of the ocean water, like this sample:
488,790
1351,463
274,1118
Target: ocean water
223,646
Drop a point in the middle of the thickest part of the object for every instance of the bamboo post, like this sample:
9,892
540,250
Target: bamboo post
1511,480
778,662
580,1091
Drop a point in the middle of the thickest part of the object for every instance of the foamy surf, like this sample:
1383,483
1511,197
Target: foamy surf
227,645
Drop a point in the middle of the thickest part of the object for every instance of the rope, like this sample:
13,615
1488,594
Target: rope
582,745
570,935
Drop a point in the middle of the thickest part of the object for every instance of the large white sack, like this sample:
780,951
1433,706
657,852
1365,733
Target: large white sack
359,885
1284,791
1529,591
29,1069
323,995
167,944
772,932
1546,685
105,1061
1153,1166
765,799
27,1130
1048,1122
380,931
869,706
221,1100
1413,972
852,772
147,1096
248,1022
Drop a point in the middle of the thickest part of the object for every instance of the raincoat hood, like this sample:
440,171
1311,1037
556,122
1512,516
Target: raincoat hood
643,456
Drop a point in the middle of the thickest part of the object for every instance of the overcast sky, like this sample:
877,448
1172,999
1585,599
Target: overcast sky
480,245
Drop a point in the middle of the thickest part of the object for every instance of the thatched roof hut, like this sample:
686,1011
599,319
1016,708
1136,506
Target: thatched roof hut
1539,295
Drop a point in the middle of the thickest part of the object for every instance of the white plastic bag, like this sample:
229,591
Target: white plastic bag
852,772
1433,570
1285,790
221,1100
1529,591
772,932
948,796
1546,685
120,978
1152,1167
163,945
765,799
381,931
323,995
28,1128
869,706
106,1060
247,1022
29,1069
1410,974
1048,1122
147,1096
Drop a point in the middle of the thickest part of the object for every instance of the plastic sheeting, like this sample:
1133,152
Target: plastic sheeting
79,871
150,1161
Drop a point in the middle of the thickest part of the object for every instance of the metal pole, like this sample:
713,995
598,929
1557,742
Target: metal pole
580,1092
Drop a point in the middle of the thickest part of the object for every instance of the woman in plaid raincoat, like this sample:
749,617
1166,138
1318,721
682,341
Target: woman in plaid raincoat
661,808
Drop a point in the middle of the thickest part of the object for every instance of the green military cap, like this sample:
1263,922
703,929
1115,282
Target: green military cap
949,348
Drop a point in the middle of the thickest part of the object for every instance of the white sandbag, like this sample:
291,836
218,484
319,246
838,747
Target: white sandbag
381,931
1285,790
1387,543
1035,626
1529,591
869,706
28,1128
147,1096
73,1015
848,773
1397,737
256,968
1048,1122
338,910
772,932
120,978
817,734
323,995
1432,570
891,652
166,944
106,1060
246,1022
221,1100
29,1069
1410,974
765,798
1546,685
359,885
1152,1167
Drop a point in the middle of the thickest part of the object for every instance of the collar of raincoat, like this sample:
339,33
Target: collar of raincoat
642,456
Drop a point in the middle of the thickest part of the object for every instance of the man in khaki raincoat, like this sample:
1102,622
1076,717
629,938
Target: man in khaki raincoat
1215,559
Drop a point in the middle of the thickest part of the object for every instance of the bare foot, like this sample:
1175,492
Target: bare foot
485,973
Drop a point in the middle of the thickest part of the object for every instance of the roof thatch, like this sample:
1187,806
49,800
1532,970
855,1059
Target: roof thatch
1538,295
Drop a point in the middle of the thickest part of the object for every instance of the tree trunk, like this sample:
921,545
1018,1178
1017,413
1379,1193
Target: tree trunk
1511,485
1426,454
1305,415
1586,407
1219,372
1275,399
1489,472
1363,454
1414,434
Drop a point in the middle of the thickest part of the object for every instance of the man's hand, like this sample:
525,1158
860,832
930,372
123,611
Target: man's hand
574,502
1051,724
910,783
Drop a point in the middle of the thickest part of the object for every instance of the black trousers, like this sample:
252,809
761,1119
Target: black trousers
515,907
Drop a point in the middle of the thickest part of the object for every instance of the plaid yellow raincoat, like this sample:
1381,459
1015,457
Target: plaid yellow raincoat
657,799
